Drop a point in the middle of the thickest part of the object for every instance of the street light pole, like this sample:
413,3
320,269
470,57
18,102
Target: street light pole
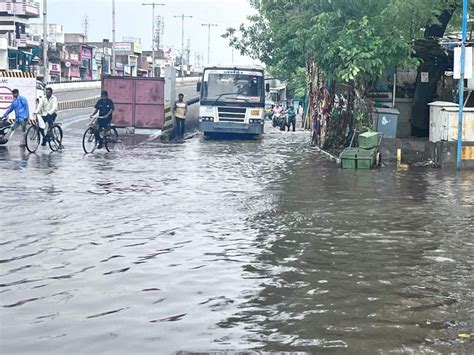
209,25
182,41
461,85
113,38
45,43
153,42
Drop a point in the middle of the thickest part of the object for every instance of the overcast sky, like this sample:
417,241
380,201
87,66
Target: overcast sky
134,20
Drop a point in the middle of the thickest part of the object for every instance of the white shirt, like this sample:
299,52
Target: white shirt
47,107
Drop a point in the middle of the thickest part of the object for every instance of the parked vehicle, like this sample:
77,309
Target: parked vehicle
40,87
4,129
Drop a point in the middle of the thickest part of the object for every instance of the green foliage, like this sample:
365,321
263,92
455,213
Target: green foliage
350,40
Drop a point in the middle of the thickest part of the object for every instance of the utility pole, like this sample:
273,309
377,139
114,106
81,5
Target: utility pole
152,4
209,25
85,26
45,43
182,42
160,25
113,37
461,85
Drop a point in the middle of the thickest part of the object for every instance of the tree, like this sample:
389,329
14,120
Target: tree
351,42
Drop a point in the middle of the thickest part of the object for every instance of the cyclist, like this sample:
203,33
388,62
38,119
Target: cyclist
47,108
22,115
105,107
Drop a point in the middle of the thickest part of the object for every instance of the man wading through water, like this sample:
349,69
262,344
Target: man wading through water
180,109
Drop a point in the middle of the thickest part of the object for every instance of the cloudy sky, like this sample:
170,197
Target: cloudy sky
134,20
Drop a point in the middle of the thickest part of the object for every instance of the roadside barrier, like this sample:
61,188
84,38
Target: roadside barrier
169,122
81,103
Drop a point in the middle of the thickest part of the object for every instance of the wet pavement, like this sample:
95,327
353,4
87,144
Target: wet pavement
230,245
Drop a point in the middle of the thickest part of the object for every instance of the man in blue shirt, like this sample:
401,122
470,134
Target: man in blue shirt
105,107
22,115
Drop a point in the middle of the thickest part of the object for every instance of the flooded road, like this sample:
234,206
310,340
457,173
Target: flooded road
230,245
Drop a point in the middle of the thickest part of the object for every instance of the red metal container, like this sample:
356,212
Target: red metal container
139,102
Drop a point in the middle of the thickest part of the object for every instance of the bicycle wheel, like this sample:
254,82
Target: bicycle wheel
56,138
89,143
32,139
111,139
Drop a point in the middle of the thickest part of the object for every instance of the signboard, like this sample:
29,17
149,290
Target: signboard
6,97
86,53
26,86
425,77
231,72
137,47
468,64
123,47
132,60
74,57
54,68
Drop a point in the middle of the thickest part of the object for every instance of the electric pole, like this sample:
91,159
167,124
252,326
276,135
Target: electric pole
153,39
45,43
182,42
113,38
85,25
209,25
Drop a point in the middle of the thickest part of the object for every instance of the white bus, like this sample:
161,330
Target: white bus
232,100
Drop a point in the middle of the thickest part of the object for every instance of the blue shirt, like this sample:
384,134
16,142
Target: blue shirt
20,106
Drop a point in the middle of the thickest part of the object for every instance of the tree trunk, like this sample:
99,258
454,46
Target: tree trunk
434,62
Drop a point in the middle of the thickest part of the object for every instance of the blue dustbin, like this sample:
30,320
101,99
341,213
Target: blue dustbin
386,120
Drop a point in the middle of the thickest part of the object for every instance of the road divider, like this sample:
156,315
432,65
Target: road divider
75,86
80,103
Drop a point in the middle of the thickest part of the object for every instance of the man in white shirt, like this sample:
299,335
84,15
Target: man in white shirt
47,109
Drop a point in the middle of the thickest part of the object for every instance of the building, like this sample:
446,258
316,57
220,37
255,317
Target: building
75,38
127,57
55,32
18,49
101,62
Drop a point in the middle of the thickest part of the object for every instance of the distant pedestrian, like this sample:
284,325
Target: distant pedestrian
180,110
22,115
300,114
291,112
47,109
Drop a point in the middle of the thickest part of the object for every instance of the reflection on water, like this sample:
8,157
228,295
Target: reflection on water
231,245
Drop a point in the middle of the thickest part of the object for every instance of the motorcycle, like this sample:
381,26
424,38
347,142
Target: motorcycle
279,120
4,129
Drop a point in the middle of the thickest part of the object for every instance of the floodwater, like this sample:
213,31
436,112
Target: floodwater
232,246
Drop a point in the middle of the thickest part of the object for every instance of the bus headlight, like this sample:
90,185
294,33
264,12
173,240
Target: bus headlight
255,120
207,119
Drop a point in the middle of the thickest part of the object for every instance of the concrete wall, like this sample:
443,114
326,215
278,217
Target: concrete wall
442,154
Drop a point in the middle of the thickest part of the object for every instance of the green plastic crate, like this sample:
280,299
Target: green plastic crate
349,158
369,140
366,158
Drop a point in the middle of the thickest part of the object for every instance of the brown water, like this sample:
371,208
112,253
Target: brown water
231,245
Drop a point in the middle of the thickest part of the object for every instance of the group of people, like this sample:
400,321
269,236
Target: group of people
290,112
46,111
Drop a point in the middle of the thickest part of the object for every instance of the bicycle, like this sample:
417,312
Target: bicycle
108,134
33,136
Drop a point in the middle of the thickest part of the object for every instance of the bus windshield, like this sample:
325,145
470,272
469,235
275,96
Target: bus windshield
228,86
